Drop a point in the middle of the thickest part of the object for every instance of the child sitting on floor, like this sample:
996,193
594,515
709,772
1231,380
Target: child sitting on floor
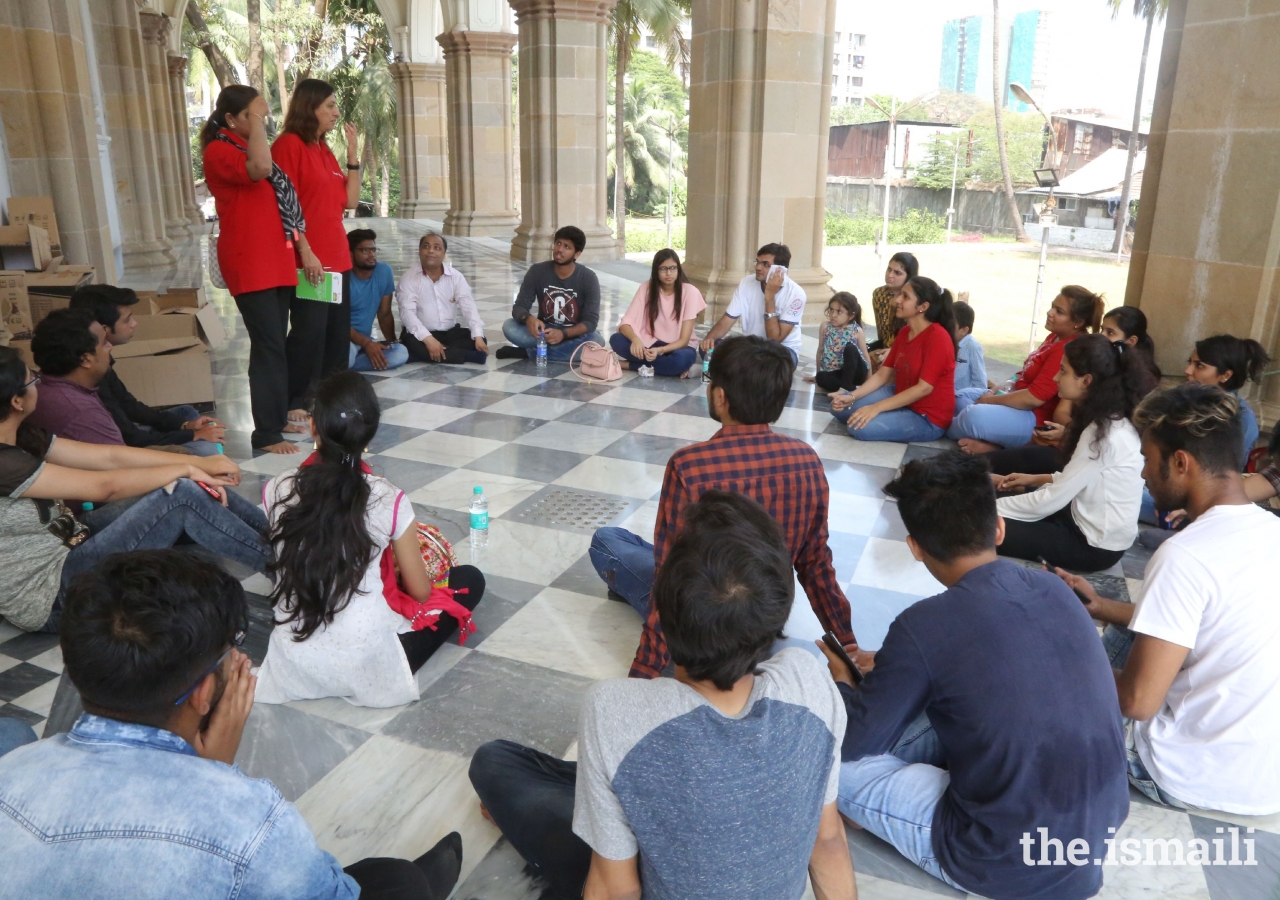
971,363
842,346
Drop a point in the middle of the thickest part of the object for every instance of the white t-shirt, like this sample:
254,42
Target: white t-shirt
747,306
357,656
1214,588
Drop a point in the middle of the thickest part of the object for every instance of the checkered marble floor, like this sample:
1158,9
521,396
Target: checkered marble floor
393,781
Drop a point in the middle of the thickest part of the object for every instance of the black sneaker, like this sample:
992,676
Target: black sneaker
511,351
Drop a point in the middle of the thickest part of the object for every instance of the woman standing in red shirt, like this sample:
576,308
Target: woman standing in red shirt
912,396
256,249
320,332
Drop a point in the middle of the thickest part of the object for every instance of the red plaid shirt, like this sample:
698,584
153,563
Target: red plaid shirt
784,476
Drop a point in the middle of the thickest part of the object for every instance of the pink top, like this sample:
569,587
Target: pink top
666,327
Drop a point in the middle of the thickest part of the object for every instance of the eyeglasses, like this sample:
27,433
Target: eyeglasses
236,642
668,270
34,381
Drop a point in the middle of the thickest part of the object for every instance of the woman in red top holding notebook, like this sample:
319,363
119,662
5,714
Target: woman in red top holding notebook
320,332
256,249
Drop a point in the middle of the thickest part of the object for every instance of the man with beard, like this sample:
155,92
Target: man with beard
750,381
372,285
1195,655
559,300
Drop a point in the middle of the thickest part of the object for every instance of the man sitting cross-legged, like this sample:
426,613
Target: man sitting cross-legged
558,300
1196,653
372,285
142,799
719,783
750,381
986,738
440,321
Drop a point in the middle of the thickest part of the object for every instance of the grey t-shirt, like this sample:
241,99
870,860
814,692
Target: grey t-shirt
716,806
31,557
560,302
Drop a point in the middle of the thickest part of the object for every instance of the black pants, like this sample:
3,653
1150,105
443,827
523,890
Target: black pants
530,796
849,376
266,319
431,876
459,346
319,341
419,645
1029,460
1059,540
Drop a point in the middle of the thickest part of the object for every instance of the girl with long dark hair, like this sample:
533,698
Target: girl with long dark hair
911,397
1085,516
331,521
987,420
1229,362
902,268
260,226
1129,325
657,328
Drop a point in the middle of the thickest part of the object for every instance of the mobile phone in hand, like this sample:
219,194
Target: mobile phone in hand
1049,568
837,648
212,492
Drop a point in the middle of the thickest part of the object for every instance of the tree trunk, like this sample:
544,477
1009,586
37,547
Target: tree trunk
997,87
384,207
217,60
1122,214
253,62
619,131
281,85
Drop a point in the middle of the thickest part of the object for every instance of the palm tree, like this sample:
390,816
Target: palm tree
650,147
374,113
663,18
1149,10
998,88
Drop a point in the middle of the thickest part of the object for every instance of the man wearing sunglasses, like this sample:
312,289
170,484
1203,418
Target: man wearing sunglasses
142,798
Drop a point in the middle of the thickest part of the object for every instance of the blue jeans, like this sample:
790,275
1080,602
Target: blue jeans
14,733
518,334
894,795
1139,777
1001,425
625,562
396,355
903,425
673,364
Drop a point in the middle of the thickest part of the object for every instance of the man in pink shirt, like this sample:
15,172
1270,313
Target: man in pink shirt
438,316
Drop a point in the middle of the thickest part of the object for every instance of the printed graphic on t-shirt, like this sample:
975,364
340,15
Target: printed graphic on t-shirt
793,309
558,305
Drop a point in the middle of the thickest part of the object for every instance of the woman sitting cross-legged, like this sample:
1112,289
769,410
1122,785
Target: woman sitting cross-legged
911,396
152,499
332,521
657,328
1085,516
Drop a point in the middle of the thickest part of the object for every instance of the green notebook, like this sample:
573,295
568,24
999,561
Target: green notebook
329,290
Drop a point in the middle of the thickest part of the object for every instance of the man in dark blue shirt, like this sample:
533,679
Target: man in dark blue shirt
986,743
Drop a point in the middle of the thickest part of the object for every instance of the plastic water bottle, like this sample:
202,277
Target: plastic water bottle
541,358
706,367
479,518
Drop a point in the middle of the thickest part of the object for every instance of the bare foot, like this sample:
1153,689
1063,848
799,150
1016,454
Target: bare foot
282,447
488,816
296,428
809,379
973,445
299,415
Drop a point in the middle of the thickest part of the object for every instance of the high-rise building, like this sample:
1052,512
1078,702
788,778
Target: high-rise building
962,54
967,58
851,52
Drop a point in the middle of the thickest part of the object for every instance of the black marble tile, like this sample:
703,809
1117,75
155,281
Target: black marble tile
524,461
529,367
18,680
406,474
619,418
464,397
454,524
1241,881
28,645
292,748
444,374
388,436
668,385
559,389
692,405
493,426
9,711
654,449
889,524
261,621
920,451
582,578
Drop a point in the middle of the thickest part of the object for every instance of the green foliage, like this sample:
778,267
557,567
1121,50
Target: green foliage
918,226
1024,141
936,170
197,153
649,240
647,119
852,114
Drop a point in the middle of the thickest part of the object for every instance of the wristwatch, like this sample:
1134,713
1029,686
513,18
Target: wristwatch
771,315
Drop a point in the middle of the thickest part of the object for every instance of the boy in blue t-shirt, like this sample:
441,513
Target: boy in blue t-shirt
971,364
372,286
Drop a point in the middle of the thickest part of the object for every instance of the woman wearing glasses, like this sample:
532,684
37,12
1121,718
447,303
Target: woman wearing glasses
657,329
42,546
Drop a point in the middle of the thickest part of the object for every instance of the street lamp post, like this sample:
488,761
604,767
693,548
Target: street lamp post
1048,217
955,168
890,151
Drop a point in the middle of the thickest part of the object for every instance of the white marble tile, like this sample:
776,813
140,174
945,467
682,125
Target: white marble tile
843,448
50,659
444,449
8,662
393,799
525,552
575,438
623,477
8,631
405,389
257,583
415,414
637,399
872,888
533,406
40,700
1123,882
455,490
272,464
801,419
674,425
853,514
889,565
627,375
570,632
506,381
643,521
1135,588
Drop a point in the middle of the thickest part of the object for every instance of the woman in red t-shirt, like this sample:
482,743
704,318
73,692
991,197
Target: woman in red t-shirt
911,397
255,250
987,421
320,332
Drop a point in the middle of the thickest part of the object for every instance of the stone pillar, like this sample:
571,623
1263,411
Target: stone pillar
1207,246
155,42
482,165
182,140
563,110
420,108
759,101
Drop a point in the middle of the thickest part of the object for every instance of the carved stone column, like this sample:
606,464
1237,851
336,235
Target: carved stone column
155,42
481,161
424,170
182,139
564,55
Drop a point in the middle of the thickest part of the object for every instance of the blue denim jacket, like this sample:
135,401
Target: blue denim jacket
114,810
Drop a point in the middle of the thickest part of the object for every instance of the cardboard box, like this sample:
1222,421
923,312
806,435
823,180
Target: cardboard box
15,311
37,211
24,350
62,281
25,247
43,304
182,312
174,298
166,372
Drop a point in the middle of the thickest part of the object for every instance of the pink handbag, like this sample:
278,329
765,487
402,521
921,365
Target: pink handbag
598,363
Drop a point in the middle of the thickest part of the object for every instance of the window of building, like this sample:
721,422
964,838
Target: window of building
858,61
1067,204
837,37
836,61
834,99
835,81
855,80
650,41
858,39
1084,138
